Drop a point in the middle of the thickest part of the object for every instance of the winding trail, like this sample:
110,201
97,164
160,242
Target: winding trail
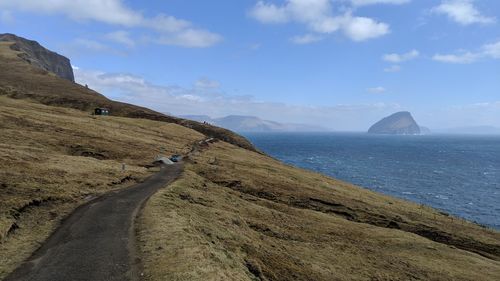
96,242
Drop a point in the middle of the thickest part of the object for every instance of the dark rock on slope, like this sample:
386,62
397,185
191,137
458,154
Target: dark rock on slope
33,53
400,123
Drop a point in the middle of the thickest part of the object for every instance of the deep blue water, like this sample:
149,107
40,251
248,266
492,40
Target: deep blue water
456,174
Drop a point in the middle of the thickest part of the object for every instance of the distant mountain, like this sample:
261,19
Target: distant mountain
400,123
36,55
240,123
473,130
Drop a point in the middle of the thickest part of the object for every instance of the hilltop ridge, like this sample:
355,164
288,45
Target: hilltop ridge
35,54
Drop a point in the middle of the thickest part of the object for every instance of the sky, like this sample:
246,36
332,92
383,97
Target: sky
340,64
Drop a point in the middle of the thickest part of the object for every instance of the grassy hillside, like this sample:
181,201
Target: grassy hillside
239,215
53,159
235,214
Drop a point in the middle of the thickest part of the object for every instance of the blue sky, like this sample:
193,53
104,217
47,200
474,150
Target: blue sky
342,64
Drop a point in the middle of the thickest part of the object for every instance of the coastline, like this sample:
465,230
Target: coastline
375,179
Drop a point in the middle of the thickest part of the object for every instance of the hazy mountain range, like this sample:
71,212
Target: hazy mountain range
240,123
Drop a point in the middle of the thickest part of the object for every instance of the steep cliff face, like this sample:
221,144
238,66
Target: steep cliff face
36,55
400,123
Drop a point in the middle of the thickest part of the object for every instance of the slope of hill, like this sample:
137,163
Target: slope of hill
235,214
52,159
239,215
400,123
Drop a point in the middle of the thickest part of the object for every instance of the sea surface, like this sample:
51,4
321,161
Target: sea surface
459,175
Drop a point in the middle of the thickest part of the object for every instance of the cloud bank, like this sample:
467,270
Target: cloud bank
487,51
205,97
399,58
319,17
373,2
169,29
463,12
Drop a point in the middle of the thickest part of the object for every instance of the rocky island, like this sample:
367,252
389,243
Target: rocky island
400,123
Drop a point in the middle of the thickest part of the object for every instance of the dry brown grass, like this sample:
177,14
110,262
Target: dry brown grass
52,159
239,215
7,52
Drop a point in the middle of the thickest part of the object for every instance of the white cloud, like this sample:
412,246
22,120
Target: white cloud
269,13
107,11
372,2
399,58
166,23
463,12
466,57
361,28
197,100
393,68
306,39
114,12
492,105
80,47
6,17
88,44
377,90
492,50
462,58
121,37
192,38
318,17
206,84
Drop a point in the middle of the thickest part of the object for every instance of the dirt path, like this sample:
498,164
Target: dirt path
96,242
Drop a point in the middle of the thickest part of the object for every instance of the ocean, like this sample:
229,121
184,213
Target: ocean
459,175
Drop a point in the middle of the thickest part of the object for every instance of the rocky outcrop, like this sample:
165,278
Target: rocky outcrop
400,123
35,54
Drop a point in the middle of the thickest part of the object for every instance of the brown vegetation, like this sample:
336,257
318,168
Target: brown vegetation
53,159
239,215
